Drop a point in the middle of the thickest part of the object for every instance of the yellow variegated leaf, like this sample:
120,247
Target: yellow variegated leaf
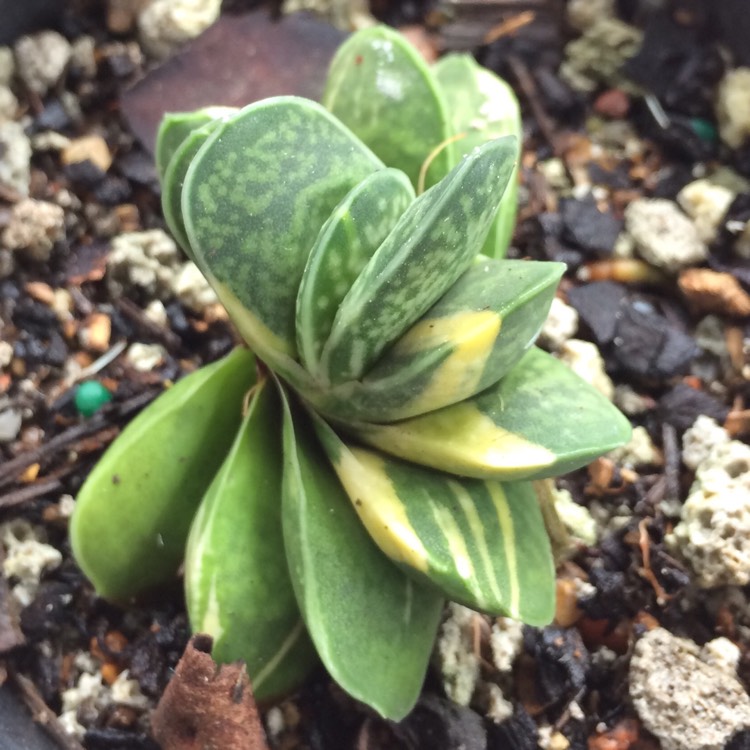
481,542
540,420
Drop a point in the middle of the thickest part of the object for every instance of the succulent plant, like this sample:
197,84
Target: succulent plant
395,409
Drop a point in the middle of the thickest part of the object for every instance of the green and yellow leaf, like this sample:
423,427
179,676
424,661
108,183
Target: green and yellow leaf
134,511
347,241
482,543
540,420
466,342
380,87
253,191
372,625
237,585
433,244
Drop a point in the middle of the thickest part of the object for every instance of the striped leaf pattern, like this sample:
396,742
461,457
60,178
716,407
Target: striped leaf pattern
372,625
481,542
235,553
539,421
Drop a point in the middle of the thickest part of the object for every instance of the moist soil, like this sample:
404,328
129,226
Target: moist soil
60,316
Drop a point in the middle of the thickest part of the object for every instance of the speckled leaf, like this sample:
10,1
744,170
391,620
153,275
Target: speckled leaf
347,241
482,543
466,342
174,180
134,510
372,625
482,107
540,420
434,242
251,195
380,87
176,126
237,585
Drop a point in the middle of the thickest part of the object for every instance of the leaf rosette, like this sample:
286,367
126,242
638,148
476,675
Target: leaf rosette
388,445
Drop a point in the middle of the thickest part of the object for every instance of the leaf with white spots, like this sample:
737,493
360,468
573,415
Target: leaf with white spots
347,241
427,251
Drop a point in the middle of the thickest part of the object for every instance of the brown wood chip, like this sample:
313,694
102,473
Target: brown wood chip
207,705
713,291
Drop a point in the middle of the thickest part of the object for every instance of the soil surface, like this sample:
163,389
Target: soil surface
654,561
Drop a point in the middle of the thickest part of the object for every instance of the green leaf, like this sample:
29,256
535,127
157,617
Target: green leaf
482,543
134,511
482,107
237,585
176,126
380,87
251,195
372,625
174,180
345,244
466,342
539,421
432,245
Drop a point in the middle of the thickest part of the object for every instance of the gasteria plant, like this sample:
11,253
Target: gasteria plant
395,410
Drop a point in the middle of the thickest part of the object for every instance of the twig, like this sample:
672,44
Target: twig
509,26
30,492
101,420
167,337
43,714
671,462
528,86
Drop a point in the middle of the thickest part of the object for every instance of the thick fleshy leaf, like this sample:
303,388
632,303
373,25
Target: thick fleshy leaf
176,126
251,195
482,107
540,420
380,86
237,585
482,543
174,180
345,244
133,513
432,245
372,625
466,342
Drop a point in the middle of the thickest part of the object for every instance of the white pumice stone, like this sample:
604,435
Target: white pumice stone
705,203
638,451
33,229
164,25
459,665
686,703
41,59
584,358
560,326
15,165
700,439
663,235
733,107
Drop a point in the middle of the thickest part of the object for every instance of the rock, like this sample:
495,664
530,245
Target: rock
91,148
714,530
143,260
706,203
506,642
597,56
648,345
438,722
576,518
164,25
41,60
34,228
145,357
459,663
588,228
700,439
192,289
561,325
15,164
682,405
638,451
733,107
582,14
8,103
686,703
10,425
663,235
613,103
584,359
598,304
7,66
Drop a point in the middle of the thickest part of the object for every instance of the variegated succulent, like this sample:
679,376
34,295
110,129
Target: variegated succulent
395,409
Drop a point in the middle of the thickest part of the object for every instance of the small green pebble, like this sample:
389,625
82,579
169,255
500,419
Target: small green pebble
704,129
90,397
